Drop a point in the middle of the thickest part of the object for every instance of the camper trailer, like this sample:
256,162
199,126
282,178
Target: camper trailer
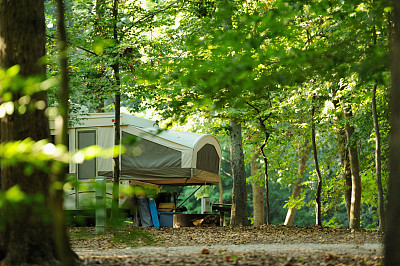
152,157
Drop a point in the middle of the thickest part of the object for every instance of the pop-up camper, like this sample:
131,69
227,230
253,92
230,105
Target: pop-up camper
159,157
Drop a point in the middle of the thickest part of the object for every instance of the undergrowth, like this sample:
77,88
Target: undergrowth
132,237
117,235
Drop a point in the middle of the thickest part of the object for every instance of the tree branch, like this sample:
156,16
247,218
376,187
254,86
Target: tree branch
151,15
260,119
254,107
79,47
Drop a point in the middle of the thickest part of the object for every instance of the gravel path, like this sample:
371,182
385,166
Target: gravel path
267,245
294,249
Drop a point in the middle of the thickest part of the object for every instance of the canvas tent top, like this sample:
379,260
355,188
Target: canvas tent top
161,157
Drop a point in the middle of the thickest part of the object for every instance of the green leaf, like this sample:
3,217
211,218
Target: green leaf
13,71
388,9
14,194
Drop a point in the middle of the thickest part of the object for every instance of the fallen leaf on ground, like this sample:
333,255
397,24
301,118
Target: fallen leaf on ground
205,251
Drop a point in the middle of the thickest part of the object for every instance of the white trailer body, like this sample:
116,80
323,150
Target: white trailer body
158,157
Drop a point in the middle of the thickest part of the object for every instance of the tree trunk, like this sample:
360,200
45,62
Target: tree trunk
28,238
221,192
239,191
115,191
261,122
304,152
58,169
355,206
381,209
344,160
318,218
266,178
378,165
392,232
346,173
258,193
100,8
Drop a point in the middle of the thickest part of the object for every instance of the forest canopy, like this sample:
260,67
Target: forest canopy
306,82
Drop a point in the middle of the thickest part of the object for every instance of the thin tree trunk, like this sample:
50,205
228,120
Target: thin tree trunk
344,159
258,204
261,122
115,191
304,153
100,8
392,232
221,192
346,172
266,178
58,169
355,207
258,193
239,191
318,219
378,167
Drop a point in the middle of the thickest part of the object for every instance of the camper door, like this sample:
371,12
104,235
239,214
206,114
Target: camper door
87,170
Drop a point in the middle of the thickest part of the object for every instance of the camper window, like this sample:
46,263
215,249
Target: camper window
87,169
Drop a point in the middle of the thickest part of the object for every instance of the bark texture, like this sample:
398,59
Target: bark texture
266,177
258,193
378,164
100,7
318,218
346,173
116,175
344,158
27,239
304,153
261,122
392,232
239,191
58,169
355,206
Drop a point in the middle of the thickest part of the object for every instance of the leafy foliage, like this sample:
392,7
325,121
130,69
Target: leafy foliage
181,63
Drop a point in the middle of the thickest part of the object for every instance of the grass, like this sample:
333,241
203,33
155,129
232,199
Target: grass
133,237
118,236
81,233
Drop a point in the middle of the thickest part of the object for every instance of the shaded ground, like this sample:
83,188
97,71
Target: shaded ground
267,245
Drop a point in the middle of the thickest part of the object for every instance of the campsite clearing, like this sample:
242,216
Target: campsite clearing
266,245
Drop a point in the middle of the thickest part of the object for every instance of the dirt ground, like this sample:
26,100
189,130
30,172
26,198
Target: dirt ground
266,245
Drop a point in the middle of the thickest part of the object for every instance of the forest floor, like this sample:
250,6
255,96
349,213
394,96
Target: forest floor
265,245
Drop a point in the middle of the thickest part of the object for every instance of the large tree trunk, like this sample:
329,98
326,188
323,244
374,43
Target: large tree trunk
378,165
258,193
304,152
355,207
392,232
28,238
239,191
